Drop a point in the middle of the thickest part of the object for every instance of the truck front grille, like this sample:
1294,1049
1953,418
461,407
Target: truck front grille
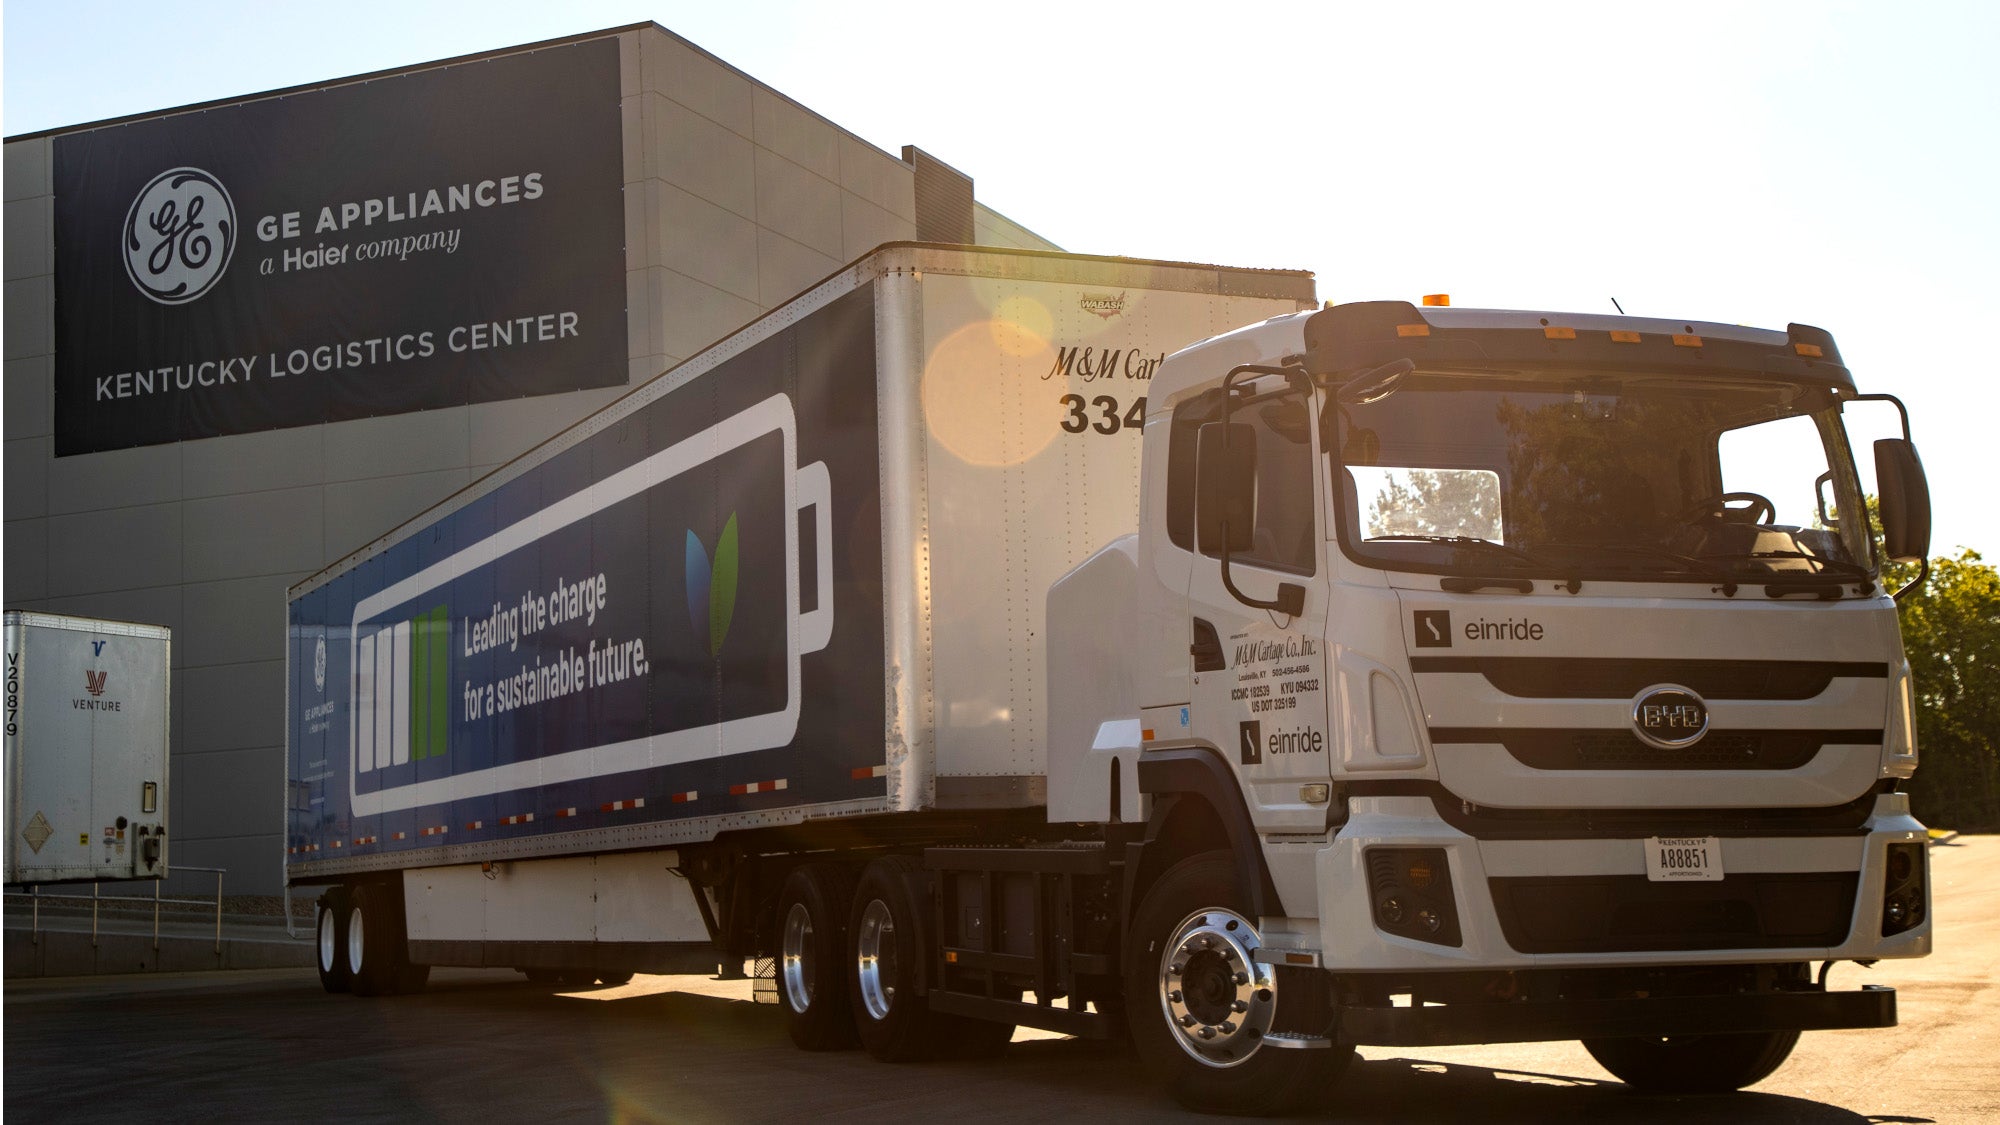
1564,749
1630,914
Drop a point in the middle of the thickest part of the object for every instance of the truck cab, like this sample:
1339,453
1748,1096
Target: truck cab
1538,675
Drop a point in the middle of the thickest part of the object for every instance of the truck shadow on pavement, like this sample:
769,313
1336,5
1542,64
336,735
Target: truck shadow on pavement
1078,1080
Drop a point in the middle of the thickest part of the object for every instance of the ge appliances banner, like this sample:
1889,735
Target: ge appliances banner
403,243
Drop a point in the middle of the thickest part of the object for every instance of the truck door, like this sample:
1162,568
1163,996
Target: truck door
1259,691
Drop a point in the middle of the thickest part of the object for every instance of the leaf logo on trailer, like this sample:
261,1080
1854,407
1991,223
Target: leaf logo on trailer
711,587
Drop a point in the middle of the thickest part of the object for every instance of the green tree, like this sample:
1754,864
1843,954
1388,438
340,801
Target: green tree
1951,633
1437,502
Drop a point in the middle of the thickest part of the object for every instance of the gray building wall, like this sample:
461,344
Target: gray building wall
736,197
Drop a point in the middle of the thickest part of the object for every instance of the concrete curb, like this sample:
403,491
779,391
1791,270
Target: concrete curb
69,953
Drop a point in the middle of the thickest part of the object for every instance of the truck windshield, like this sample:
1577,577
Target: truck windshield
1600,475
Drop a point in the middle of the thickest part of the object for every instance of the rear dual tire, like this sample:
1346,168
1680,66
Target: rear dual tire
812,956
895,1022
376,946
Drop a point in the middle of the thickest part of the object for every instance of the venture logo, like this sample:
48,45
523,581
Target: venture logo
179,236
711,588
93,682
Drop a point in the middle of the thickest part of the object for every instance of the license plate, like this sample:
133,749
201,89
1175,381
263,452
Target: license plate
1684,859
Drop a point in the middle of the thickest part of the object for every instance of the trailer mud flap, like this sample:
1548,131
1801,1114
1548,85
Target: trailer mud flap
1543,1021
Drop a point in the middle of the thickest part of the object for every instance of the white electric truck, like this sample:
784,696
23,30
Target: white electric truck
1373,674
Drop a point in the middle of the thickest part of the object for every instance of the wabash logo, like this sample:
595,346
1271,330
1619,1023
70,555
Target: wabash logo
1250,741
93,682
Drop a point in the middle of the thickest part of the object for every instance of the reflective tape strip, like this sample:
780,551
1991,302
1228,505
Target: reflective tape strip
518,818
863,773
474,825
684,798
565,812
338,843
757,787
364,841
621,806
436,830
400,836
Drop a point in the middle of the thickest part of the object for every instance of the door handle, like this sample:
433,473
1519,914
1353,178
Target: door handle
1207,648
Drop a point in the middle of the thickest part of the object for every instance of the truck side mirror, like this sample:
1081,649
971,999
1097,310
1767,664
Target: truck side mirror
1226,488
1905,500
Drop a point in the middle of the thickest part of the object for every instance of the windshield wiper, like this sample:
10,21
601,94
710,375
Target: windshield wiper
1820,566
1573,584
1692,564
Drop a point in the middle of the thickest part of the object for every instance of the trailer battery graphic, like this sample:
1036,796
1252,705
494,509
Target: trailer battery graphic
652,618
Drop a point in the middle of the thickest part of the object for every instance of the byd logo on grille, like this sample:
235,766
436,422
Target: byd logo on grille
179,235
1669,717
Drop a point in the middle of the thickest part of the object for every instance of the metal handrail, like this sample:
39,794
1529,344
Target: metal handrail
36,896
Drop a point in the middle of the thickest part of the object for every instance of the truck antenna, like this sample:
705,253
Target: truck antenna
1619,307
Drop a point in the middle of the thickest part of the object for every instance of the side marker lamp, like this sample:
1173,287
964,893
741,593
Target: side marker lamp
1437,300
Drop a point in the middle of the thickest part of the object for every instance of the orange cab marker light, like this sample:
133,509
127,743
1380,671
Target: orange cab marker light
1681,341
1147,734
1437,300
1624,336
1407,330
1810,351
1554,333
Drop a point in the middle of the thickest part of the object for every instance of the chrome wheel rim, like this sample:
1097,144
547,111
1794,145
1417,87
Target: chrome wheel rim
327,933
354,938
1217,1000
797,968
875,945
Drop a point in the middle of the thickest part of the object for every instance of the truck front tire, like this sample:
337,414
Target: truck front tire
1199,1006
1694,1064
813,910
330,932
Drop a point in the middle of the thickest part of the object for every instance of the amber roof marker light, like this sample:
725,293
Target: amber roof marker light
1437,300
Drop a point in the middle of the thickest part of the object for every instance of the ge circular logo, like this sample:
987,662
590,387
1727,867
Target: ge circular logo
179,235
319,664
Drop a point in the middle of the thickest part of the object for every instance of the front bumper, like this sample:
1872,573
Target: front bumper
1544,1021
1349,939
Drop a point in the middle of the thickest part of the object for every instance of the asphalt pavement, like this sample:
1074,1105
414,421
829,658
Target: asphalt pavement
481,1045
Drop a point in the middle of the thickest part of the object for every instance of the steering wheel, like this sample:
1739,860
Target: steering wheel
1757,509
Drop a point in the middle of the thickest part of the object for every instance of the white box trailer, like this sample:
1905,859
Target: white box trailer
86,734
797,579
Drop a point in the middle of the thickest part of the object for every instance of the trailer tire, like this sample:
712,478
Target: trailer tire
614,980
813,908
377,951
1193,931
330,944
1694,1064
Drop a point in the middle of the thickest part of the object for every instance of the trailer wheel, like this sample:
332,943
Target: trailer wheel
1694,1064
377,952
812,956
896,1024
1199,1005
614,980
330,928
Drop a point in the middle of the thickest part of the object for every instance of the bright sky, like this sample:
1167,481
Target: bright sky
1832,164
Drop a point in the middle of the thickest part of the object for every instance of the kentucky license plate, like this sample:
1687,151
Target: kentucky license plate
1683,859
